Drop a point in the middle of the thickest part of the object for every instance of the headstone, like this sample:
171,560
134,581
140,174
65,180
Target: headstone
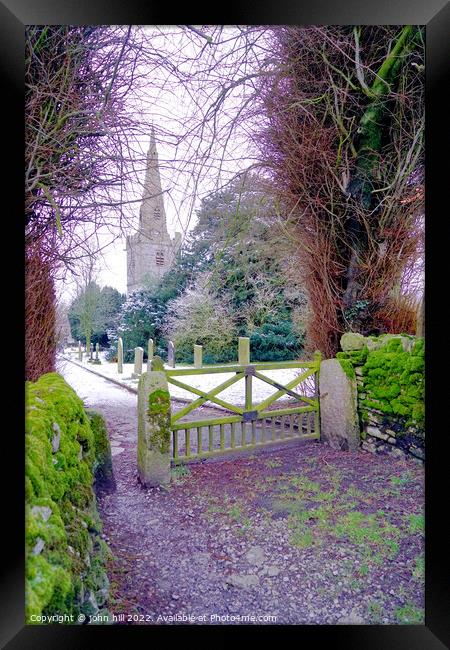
80,352
244,351
154,433
97,359
171,354
120,355
138,358
91,351
198,356
339,423
150,352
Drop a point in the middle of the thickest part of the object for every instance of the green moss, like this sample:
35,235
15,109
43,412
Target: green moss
103,469
62,521
393,379
347,367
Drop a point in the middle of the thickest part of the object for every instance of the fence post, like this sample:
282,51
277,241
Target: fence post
80,352
154,432
150,352
138,357
120,355
171,354
198,356
244,351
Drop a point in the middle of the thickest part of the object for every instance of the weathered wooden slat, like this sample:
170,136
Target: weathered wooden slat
253,432
287,411
222,436
273,429
263,430
210,435
308,423
187,433
291,424
243,434
206,422
199,441
175,444
233,435
220,452
268,365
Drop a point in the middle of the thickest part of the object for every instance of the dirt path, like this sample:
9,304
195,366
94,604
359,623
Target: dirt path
303,533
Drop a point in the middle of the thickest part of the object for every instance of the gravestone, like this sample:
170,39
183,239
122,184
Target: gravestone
198,356
120,355
171,354
150,352
339,423
138,358
97,359
154,433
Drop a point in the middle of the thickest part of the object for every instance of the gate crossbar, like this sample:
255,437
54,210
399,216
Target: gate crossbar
205,397
284,389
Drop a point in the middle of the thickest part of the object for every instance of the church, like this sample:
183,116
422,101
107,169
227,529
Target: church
151,251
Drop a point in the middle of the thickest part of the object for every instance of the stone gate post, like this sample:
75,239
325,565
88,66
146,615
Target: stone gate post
154,433
339,423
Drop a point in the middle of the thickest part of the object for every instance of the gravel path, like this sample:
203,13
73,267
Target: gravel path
297,535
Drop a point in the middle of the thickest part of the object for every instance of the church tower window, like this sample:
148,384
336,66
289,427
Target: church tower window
157,213
160,258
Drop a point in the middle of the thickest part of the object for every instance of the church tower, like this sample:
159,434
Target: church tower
151,251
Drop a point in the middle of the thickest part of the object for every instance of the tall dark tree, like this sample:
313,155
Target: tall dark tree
344,144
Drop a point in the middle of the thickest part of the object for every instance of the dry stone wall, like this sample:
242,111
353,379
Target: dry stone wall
389,372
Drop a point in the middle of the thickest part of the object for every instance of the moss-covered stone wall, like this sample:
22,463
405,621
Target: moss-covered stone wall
390,374
65,555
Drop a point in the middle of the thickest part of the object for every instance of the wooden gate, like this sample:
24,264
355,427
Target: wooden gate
252,425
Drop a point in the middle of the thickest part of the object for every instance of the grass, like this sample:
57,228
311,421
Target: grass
419,569
179,474
272,463
409,614
375,611
416,523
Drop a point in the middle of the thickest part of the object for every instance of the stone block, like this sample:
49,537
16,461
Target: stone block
352,341
374,431
339,423
154,433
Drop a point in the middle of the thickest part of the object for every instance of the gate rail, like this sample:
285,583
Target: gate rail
248,427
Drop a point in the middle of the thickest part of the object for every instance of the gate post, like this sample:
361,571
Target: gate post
154,433
339,423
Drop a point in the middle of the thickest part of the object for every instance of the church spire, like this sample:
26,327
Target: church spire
152,213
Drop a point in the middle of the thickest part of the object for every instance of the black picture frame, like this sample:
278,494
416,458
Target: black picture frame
435,14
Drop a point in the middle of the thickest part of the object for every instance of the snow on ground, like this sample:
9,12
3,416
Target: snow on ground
85,384
233,394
